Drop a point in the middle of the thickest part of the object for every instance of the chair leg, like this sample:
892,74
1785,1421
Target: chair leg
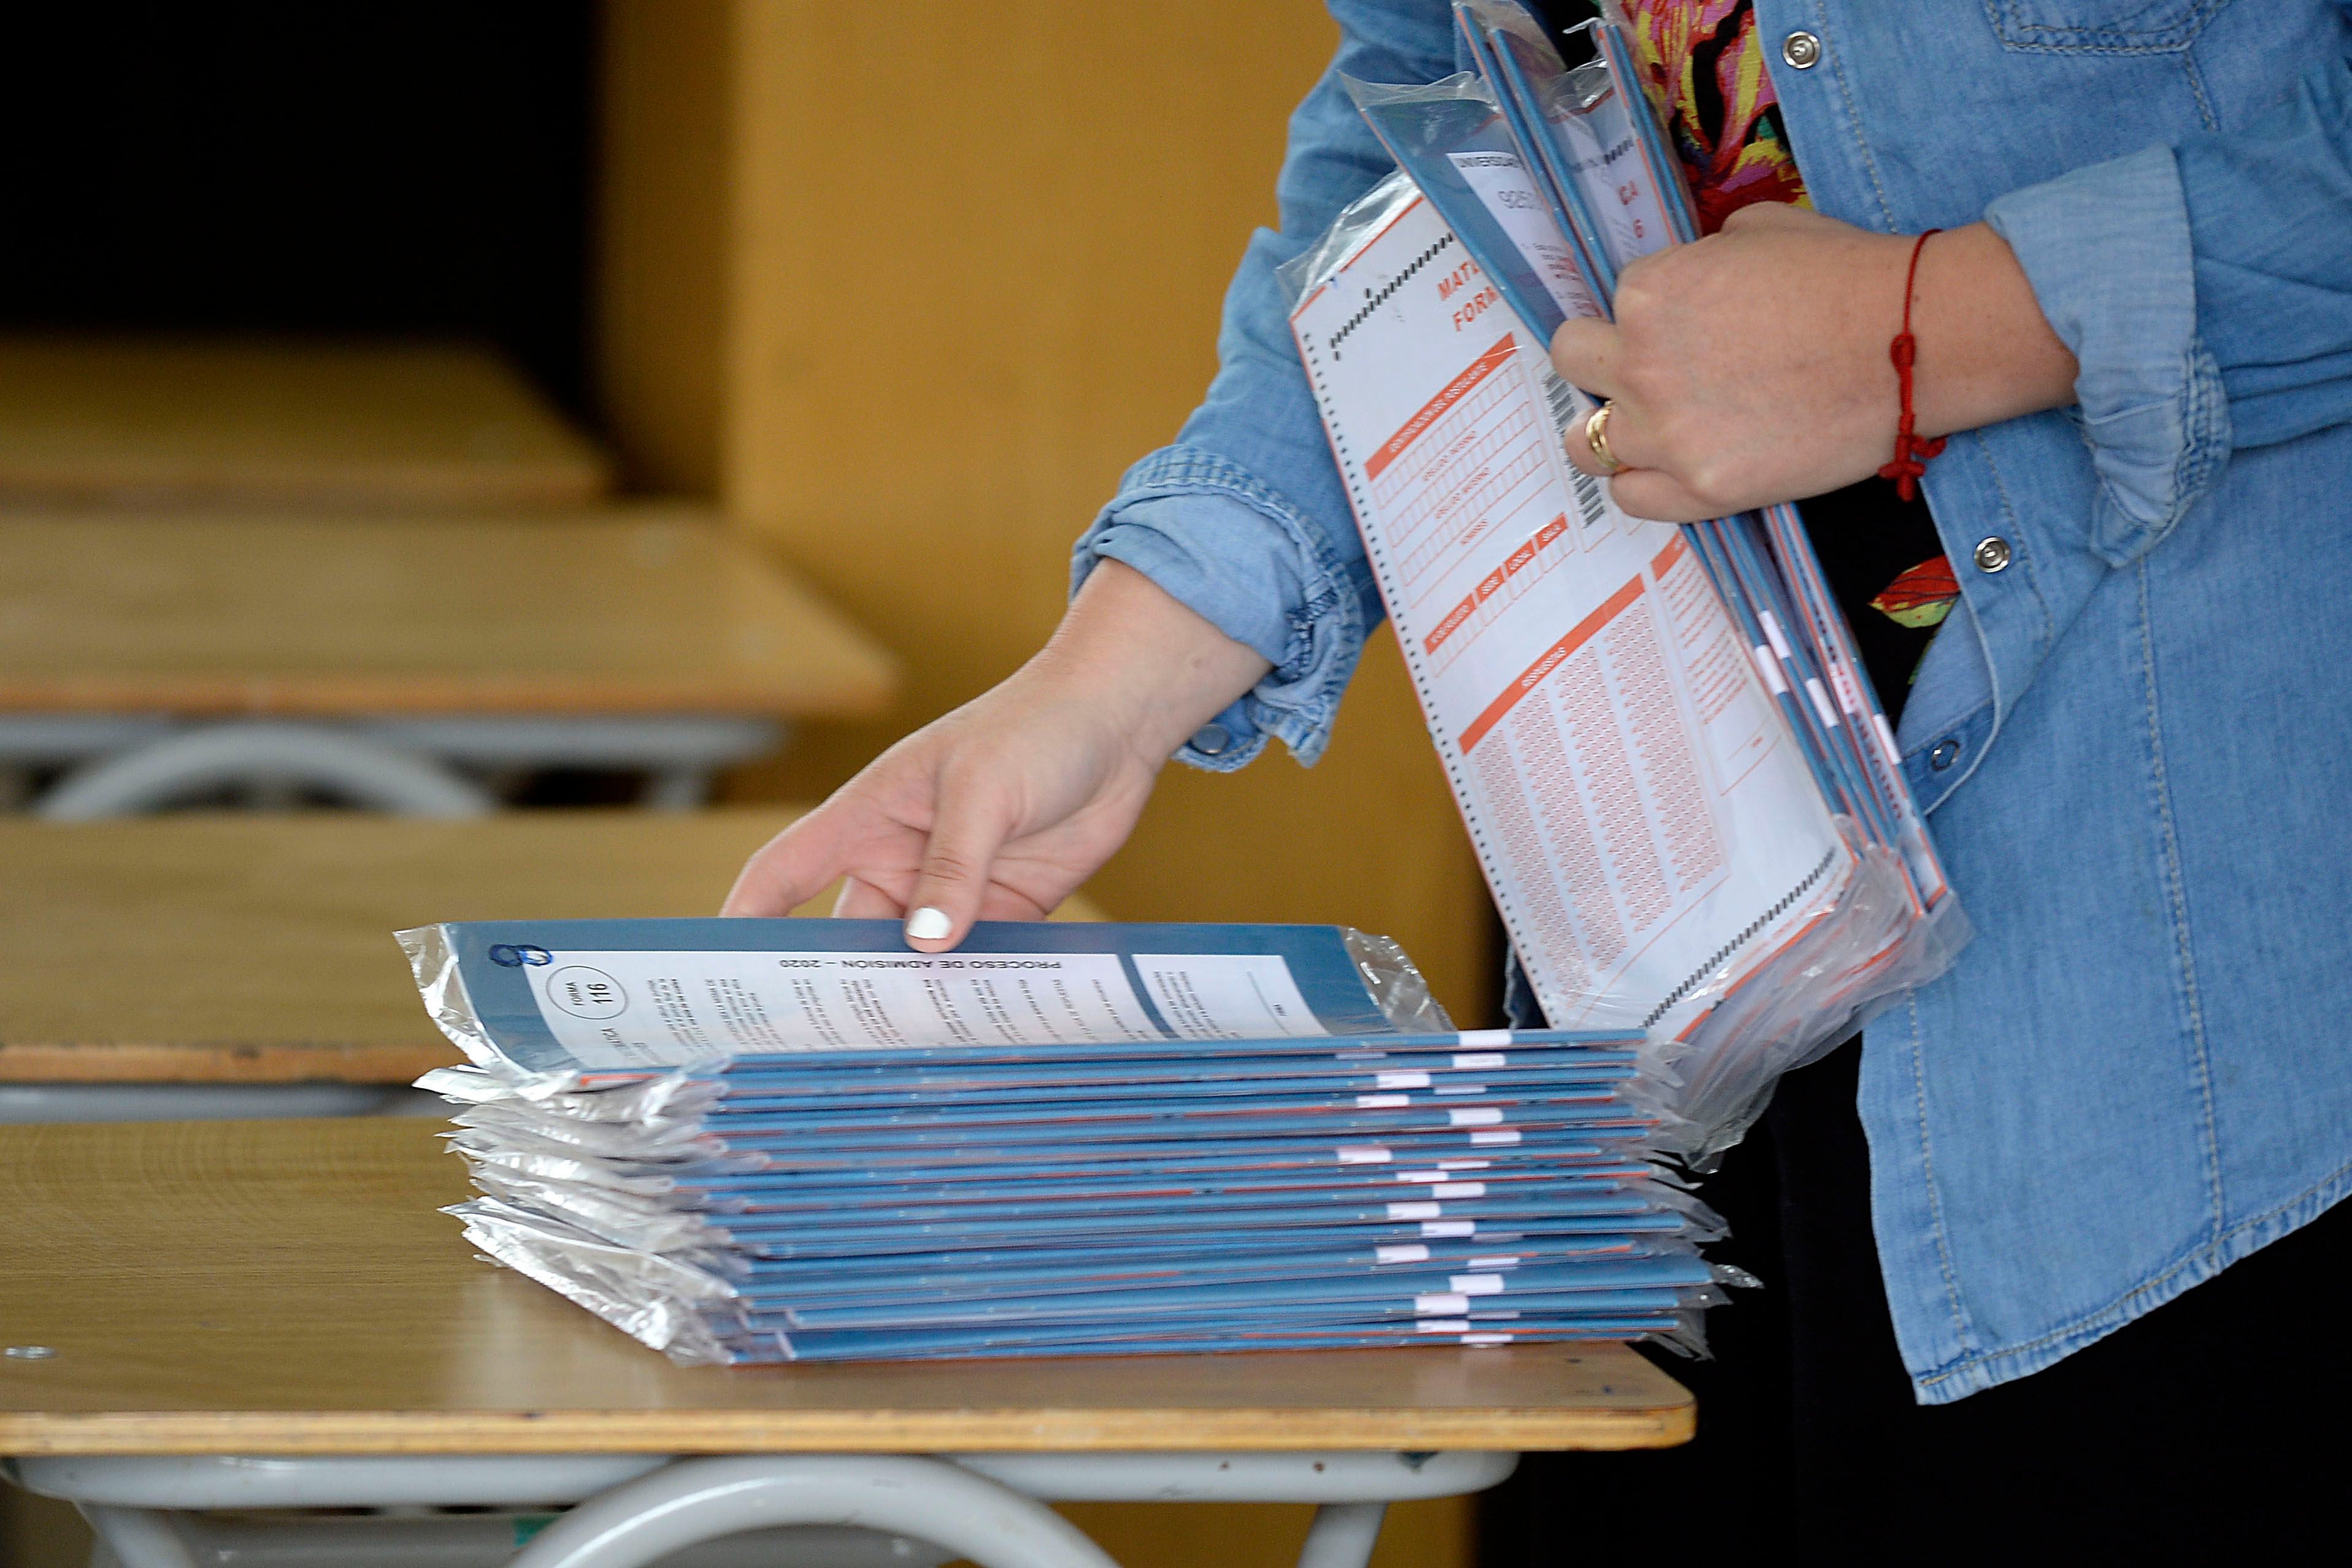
1342,1535
138,1537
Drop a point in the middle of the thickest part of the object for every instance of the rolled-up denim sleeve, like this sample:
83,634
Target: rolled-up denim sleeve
2205,288
1244,519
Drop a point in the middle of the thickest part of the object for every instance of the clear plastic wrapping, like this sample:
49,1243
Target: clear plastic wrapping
1764,899
1118,1182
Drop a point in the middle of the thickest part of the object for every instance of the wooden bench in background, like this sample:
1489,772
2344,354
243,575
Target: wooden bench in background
371,656
209,422
238,964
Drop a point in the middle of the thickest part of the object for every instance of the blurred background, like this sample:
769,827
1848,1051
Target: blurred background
897,292
453,410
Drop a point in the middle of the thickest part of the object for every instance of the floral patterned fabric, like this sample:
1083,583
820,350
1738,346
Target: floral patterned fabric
1703,65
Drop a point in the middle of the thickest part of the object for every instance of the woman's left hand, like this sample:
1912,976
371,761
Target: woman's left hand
1752,367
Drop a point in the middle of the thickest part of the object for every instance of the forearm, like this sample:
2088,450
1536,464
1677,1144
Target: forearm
1157,670
1987,353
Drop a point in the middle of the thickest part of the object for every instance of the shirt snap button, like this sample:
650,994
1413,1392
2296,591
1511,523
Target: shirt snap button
1211,740
1991,554
1801,50
1947,752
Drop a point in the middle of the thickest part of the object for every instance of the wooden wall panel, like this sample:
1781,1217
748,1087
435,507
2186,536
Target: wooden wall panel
974,270
664,221
973,264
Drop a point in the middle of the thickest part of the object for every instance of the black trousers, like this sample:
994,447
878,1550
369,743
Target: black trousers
2215,1423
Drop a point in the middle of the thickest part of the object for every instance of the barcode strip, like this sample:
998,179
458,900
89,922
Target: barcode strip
1562,398
1564,403
1588,497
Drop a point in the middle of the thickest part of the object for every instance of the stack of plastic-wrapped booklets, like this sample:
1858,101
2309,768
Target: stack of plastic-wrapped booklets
752,1141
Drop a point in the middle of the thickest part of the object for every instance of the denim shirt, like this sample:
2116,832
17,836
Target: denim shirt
2125,734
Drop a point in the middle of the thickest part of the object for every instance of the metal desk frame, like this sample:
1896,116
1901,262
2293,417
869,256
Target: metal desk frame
120,765
630,1511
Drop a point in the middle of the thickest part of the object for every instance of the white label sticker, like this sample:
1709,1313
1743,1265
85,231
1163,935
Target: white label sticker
636,1009
1886,741
1382,1101
1770,669
1443,1325
1402,1081
1849,695
1475,1115
1458,1190
1477,1284
1821,701
1440,1303
1475,1059
1605,160
1363,1154
1497,1260
1507,1136
1227,995
1486,1337
1400,1252
1479,1039
1414,1211
1438,1229
1772,631
1501,183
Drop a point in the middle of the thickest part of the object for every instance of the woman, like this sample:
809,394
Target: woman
2116,629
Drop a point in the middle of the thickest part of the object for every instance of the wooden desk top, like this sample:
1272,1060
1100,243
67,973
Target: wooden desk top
637,609
210,422
288,1287
259,948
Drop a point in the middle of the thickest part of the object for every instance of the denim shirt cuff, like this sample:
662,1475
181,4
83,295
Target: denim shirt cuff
2108,251
1240,556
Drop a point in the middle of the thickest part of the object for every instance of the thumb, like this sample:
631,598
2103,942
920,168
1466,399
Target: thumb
952,881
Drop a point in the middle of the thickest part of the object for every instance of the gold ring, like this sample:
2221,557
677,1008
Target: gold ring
1596,437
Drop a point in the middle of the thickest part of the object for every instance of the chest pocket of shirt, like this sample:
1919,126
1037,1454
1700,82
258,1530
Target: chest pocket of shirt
2100,27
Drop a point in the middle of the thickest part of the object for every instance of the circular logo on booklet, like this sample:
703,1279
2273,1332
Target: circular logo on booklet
510,956
586,992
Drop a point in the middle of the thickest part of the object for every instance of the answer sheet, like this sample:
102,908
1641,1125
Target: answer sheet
1648,826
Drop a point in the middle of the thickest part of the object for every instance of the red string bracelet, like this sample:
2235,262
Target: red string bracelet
1911,454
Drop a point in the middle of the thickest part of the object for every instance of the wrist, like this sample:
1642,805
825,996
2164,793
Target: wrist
1986,353
1142,662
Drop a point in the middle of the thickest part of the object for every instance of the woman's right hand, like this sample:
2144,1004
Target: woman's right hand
1000,809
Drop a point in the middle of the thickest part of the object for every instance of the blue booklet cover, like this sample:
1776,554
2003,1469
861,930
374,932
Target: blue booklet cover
568,996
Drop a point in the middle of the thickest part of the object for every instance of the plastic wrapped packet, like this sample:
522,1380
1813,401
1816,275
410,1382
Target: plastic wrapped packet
1450,139
664,993
1846,907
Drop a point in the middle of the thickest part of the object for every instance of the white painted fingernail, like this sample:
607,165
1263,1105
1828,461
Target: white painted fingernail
927,924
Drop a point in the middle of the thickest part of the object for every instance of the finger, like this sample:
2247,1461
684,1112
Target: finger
861,900
1005,903
1628,434
953,882
790,869
1584,351
1657,495
1577,442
